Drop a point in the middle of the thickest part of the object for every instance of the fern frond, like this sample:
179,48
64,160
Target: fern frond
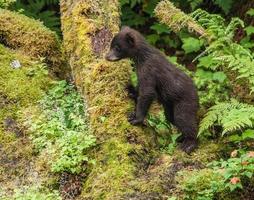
224,51
51,2
231,116
233,25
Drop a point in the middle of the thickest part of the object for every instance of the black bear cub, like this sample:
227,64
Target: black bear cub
161,80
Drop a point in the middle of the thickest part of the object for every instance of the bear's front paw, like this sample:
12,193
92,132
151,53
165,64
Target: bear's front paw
131,116
133,120
136,122
189,145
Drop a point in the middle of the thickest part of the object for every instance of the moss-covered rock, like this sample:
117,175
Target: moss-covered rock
32,38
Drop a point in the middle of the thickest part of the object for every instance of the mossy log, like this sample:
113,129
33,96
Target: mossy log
168,14
32,38
88,27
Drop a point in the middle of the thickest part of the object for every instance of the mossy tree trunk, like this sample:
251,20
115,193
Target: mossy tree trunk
123,150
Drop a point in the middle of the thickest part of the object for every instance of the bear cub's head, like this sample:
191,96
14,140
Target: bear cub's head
125,44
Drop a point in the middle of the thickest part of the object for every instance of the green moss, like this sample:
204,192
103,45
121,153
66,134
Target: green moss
168,14
20,89
31,37
23,85
115,169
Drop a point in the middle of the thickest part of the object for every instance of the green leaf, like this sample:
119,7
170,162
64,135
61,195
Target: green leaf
172,59
250,12
172,198
103,118
134,79
202,74
205,62
235,138
153,38
149,6
130,18
123,2
249,133
225,5
219,76
249,30
160,28
248,174
174,137
161,141
195,3
134,2
191,44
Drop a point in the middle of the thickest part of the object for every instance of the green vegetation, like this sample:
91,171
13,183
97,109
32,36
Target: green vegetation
21,87
237,170
231,116
32,38
34,193
61,130
47,11
59,139
201,184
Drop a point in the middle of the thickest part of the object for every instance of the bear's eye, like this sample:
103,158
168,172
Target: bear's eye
118,48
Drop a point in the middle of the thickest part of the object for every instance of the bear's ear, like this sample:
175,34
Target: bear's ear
130,39
125,28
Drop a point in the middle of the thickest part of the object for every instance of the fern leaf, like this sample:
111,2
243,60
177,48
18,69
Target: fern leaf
231,116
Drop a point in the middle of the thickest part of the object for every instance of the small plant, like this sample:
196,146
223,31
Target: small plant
201,184
158,122
221,177
224,51
34,193
70,151
235,169
167,136
246,135
212,84
62,129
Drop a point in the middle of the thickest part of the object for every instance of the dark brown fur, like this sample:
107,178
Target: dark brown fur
157,78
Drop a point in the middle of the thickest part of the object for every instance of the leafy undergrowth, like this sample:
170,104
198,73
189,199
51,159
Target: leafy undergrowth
61,130
44,132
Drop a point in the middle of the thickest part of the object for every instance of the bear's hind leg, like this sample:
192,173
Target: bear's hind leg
185,120
169,113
